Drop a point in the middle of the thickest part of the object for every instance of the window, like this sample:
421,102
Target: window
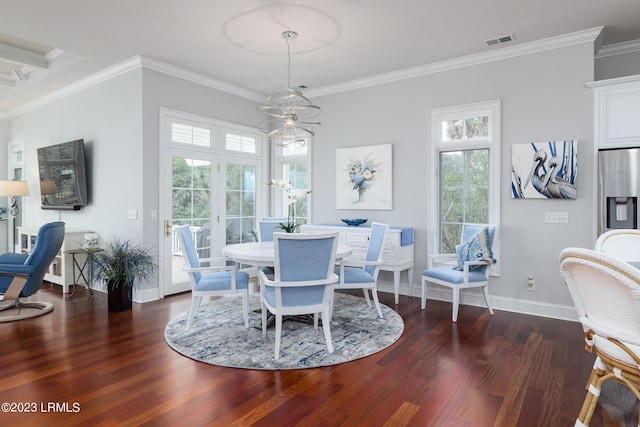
182,133
241,143
466,161
292,164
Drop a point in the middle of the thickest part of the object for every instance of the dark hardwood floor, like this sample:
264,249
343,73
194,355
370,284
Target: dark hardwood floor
81,365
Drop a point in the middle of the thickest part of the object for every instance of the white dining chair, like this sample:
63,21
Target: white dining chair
218,279
302,281
363,274
266,228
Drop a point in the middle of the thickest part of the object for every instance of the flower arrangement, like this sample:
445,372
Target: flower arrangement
293,194
362,174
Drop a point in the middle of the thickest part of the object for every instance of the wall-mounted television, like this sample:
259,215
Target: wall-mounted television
63,179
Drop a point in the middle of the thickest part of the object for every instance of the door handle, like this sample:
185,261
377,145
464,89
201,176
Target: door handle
167,228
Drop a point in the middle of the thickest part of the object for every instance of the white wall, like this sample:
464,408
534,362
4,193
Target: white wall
108,117
543,98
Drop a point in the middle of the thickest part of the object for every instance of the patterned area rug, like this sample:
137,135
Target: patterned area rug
218,336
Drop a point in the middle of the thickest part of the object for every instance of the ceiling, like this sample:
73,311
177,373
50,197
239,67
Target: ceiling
53,44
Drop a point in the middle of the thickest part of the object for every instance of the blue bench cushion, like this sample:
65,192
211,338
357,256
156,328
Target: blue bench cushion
452,275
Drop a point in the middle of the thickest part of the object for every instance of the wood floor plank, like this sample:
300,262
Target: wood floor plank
507,369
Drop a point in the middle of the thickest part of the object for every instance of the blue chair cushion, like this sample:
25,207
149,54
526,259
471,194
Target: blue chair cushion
453,275
355,275
295,295
222,281
477,248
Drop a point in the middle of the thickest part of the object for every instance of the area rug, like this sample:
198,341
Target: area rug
218,336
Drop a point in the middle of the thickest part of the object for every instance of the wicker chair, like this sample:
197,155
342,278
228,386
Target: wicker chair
623,244
606,293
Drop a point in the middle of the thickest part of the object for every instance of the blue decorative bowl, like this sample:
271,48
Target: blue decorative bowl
354,222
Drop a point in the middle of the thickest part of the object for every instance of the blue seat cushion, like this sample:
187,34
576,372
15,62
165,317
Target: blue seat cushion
355,275
452,275
477,248
295,296
222,281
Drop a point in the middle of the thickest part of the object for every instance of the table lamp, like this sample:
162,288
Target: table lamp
14,189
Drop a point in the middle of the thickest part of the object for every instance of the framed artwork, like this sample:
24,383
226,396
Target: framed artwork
544,170
364,177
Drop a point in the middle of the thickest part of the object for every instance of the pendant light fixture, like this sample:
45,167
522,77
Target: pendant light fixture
289,110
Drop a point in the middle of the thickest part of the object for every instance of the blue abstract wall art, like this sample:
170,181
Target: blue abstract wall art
544,170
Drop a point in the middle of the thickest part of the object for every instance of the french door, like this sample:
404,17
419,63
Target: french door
190,186
216,196
211,179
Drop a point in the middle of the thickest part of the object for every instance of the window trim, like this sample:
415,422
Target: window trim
493,143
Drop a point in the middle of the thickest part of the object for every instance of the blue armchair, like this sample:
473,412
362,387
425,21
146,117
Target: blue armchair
474,257
21,275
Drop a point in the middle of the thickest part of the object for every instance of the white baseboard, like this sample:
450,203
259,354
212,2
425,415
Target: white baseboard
533,308
139,295
470,297
146,295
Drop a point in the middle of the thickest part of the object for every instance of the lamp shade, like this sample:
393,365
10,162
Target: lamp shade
14,188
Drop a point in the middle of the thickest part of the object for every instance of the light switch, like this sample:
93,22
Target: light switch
132,214
556,217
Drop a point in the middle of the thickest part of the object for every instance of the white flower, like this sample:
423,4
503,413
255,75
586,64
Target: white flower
293,193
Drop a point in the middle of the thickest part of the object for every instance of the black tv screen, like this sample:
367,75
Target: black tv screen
63,181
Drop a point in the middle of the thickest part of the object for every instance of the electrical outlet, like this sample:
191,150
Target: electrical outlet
531,284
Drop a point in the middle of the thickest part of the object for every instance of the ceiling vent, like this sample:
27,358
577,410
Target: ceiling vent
500,40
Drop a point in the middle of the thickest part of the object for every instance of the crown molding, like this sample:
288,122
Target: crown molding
131,64
181,73
584,36
579,37
101,76
619,49
614,81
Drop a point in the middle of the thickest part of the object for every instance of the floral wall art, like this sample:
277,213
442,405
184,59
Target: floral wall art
364,177
544,170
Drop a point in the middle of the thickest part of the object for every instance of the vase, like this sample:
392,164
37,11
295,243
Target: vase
119,297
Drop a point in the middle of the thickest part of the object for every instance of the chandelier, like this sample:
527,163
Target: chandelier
289,110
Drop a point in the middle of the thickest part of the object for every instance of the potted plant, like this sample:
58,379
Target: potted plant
122,265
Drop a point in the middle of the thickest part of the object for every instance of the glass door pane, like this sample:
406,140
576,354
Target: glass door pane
191,203
240,203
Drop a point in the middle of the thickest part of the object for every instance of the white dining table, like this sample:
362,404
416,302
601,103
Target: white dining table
262,254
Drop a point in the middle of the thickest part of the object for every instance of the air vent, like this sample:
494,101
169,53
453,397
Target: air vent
500,40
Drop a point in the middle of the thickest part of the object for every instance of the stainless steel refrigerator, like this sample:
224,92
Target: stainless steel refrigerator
618,188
